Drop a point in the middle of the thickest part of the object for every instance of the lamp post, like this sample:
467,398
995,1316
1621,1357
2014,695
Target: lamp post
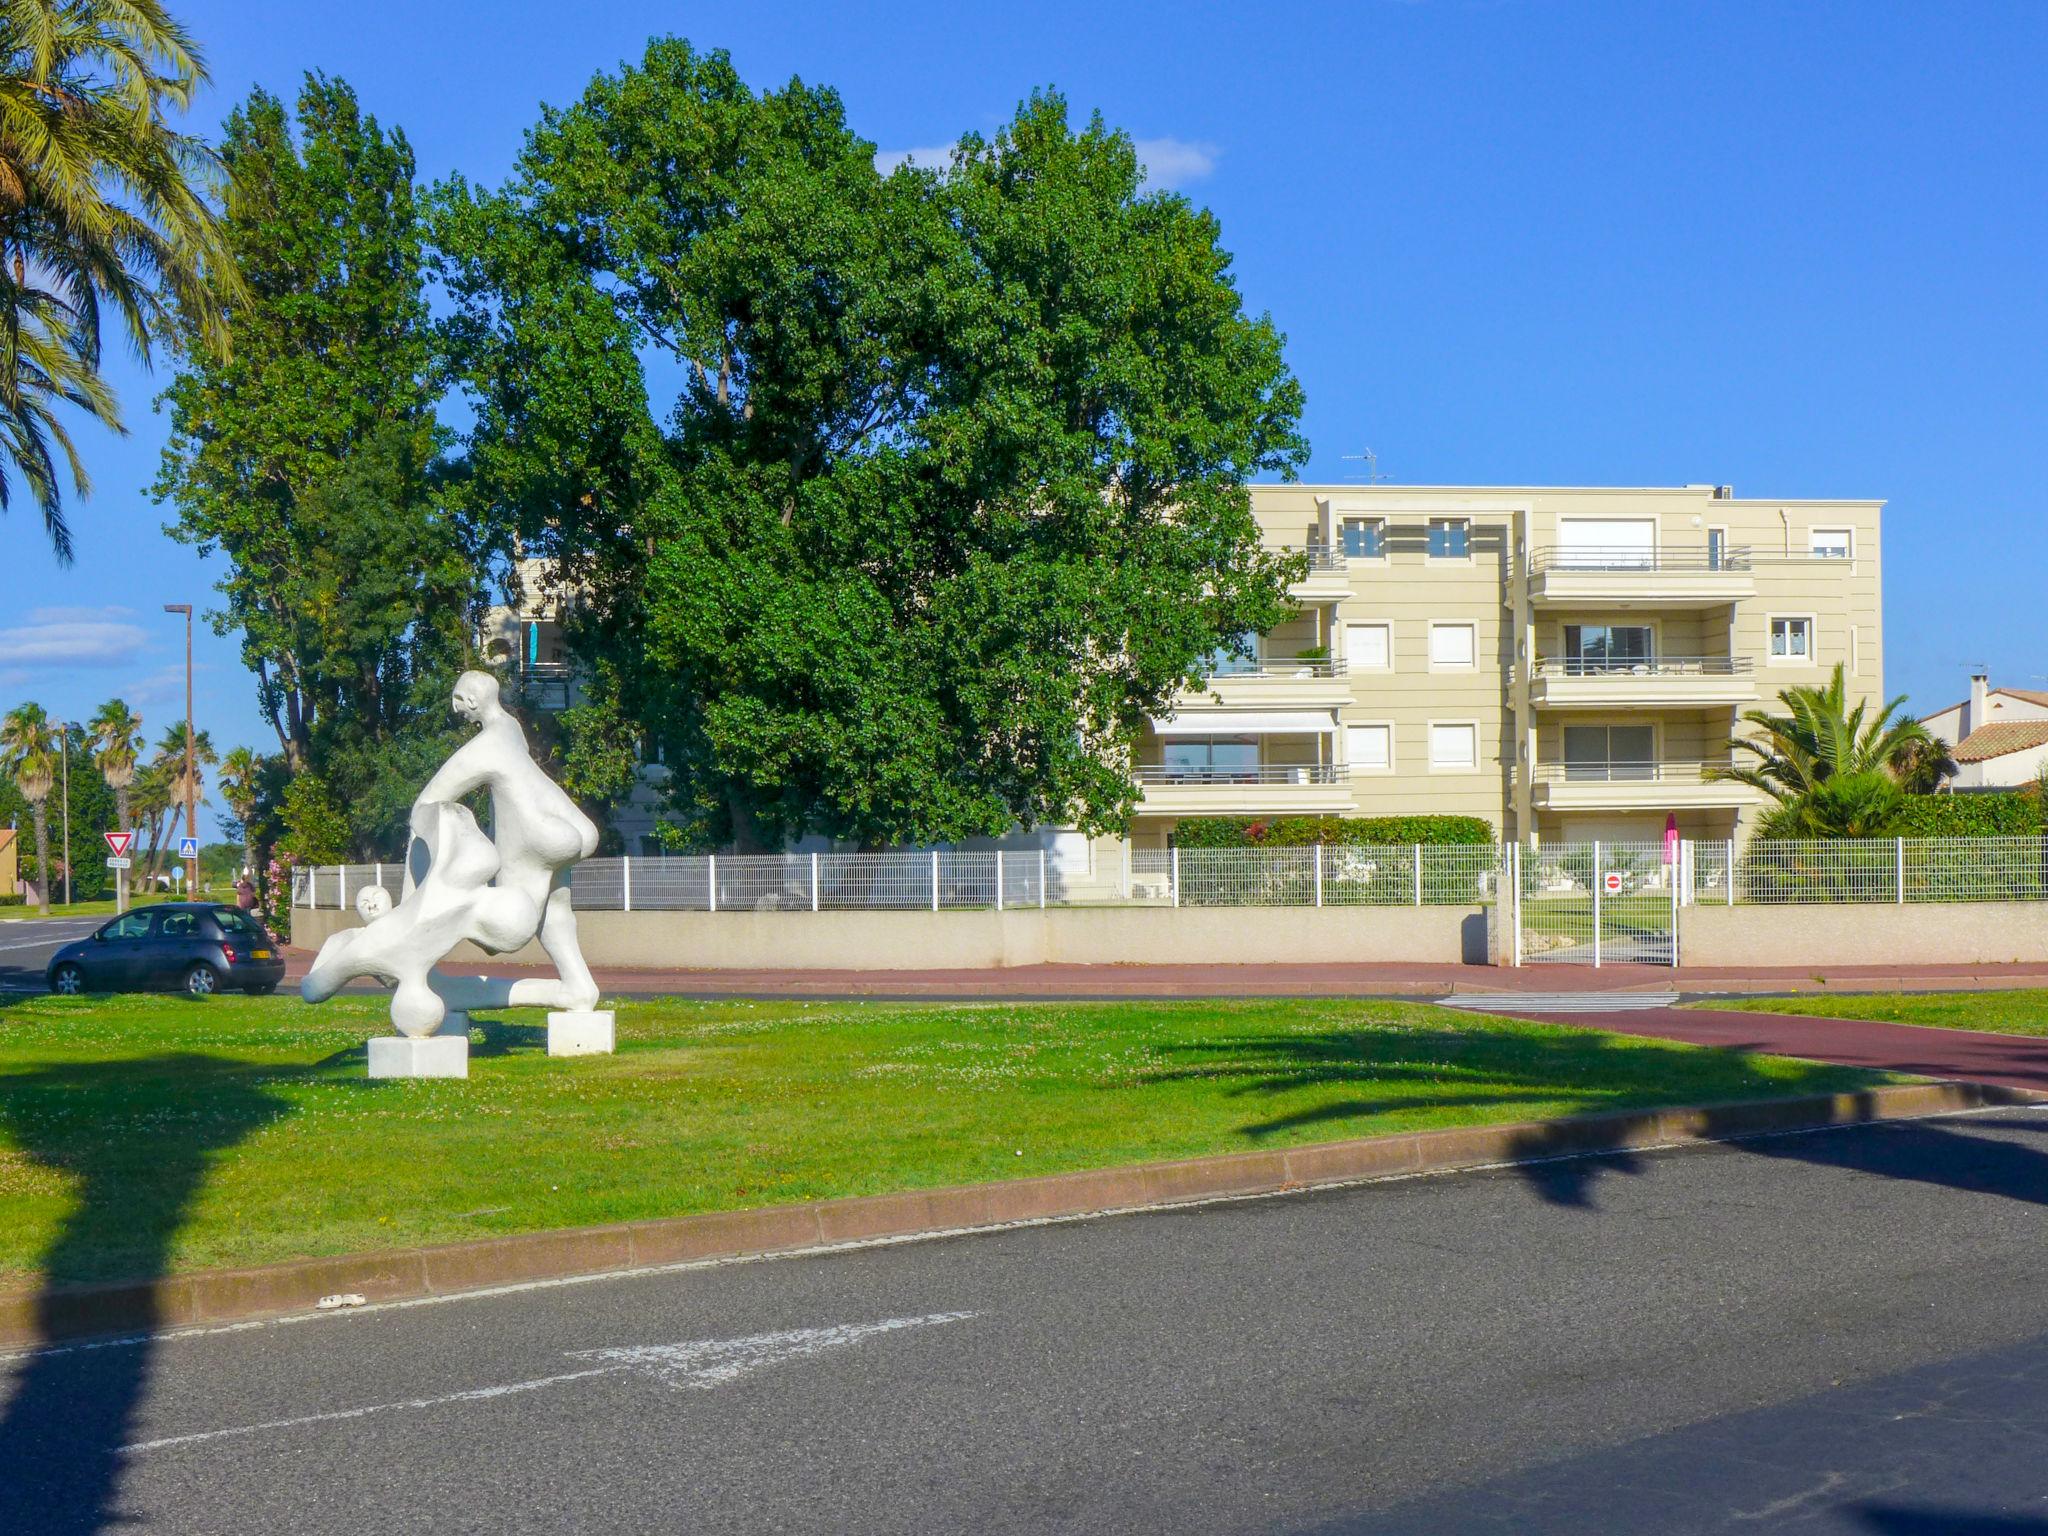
64,759
191,766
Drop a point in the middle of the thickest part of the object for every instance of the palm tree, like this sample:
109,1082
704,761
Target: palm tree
117,744
102,205
151,800
241,773
170,762
28,751
1923,767
1833,770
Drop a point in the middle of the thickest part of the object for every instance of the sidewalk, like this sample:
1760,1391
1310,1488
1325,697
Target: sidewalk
2007,1061
1169,981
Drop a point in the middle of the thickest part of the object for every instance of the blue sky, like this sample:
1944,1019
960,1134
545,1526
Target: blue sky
1798,250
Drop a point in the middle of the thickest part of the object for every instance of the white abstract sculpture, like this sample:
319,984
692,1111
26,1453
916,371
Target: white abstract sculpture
497,893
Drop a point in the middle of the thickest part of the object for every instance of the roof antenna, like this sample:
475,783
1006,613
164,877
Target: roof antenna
1371,461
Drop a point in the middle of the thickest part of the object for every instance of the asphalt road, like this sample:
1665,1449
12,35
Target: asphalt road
1837,1332
26,946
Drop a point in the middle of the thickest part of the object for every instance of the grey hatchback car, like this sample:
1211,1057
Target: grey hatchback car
197,948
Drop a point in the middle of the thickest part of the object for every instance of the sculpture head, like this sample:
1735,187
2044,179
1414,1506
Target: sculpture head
476,697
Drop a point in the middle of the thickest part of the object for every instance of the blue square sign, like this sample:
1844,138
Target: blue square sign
188,847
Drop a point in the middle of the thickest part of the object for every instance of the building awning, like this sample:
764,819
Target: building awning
1223,722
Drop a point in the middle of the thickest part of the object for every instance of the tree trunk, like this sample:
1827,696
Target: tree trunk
746,831
42,815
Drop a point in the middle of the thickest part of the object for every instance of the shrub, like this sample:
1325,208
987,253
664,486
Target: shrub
1349,831
2014,815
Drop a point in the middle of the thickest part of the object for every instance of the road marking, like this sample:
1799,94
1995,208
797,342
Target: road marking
699,1365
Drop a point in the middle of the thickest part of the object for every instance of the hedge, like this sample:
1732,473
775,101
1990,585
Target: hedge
1352,831
2011,815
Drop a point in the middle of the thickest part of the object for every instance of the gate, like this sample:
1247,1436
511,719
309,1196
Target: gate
1596,903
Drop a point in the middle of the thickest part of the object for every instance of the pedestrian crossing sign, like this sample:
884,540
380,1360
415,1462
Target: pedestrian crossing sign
188,847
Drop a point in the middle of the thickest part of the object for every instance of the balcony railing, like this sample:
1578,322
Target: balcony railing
1662,771
1560,557
546,671
1280,666
1307,773
1321,557
1648,666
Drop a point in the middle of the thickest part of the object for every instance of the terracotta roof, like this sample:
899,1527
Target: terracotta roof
2031,695
2000,738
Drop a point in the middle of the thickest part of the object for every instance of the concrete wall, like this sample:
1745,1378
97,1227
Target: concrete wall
1958,933
983,940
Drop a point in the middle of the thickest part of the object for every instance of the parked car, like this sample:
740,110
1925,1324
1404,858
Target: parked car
194,947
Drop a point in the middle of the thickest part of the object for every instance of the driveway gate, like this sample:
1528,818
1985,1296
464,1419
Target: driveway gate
1596,903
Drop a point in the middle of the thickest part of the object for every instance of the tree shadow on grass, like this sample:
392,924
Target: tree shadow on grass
136,1172
1453,1068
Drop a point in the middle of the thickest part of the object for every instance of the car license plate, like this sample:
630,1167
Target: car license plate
259,954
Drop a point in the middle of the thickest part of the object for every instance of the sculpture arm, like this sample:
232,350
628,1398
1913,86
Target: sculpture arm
455,778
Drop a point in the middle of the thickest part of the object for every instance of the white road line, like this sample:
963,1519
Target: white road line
701,1364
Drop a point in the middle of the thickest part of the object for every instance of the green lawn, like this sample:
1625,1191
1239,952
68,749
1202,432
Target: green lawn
1999,1013
105,907
151,1134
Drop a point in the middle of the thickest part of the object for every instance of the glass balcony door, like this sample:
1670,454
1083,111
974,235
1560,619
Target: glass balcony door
1608,754
1595,648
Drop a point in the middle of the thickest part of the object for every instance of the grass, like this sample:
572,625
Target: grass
2019,1012
147,1135
103,907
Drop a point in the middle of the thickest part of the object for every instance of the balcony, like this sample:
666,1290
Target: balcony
1167,790
1562,575
1271,681
1670,682
545,685
1670,784
1328,578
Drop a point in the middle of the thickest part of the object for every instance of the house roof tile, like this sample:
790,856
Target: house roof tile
2000,738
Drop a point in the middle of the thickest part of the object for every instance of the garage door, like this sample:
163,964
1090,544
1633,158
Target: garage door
1607,543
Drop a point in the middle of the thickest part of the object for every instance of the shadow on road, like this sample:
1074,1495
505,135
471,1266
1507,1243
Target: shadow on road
134,1180
1897,1520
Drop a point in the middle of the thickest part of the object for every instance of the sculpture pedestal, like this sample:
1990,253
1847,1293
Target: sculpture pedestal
581,1033
434,1056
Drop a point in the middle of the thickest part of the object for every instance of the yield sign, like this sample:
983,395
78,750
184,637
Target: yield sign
117,843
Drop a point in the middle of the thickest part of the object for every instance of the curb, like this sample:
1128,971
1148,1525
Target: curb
31,1318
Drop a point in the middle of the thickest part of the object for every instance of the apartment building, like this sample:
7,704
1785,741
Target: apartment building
1568,663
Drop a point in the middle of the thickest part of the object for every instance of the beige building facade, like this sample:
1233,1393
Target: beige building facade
1567,663
1564,662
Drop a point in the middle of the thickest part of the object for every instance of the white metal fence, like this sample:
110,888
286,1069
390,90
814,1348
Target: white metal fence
1896,870
1404,875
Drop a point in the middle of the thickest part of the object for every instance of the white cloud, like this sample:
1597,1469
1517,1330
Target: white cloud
1169,163
72,637
931,157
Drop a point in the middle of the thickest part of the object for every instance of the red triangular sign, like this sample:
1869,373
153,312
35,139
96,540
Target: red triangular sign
118,842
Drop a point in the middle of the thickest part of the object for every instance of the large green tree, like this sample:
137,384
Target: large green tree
312,459
104,205
946,493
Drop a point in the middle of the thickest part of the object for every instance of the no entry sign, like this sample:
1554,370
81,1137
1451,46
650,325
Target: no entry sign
1613,882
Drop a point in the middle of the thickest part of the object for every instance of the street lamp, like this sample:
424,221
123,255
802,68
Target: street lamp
64,758
191,771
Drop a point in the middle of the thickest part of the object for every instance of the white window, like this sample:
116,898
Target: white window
1452,645
1368,647
1791,639
1370,748
1453,746
1717,549
1450,538
1831,543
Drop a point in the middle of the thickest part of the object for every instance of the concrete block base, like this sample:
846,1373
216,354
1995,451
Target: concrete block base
581,1033
435,1056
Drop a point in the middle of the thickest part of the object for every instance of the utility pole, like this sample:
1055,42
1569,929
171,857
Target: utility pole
191,763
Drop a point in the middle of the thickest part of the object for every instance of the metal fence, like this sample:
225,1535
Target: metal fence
1898,870
1405,875
1758,873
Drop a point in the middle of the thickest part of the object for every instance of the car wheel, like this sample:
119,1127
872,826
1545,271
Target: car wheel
200,981
67,981
265,990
